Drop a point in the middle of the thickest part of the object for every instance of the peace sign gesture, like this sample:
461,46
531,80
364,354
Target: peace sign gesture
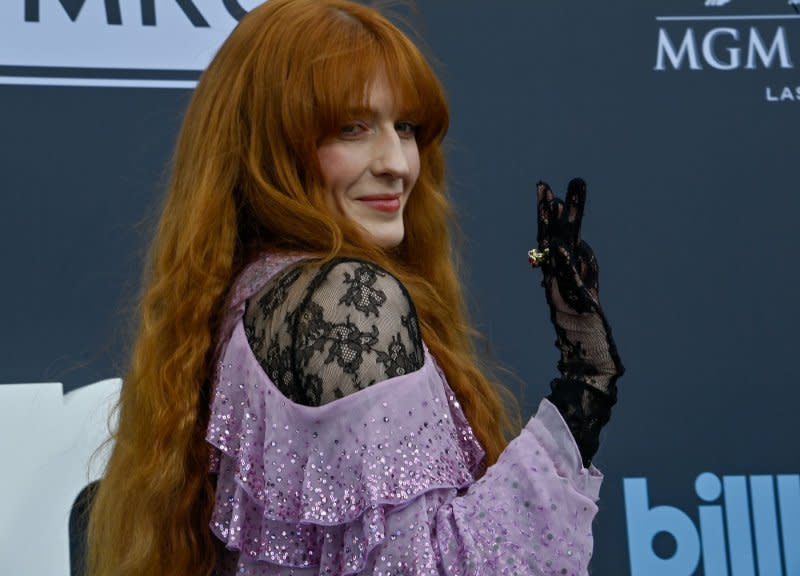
562,255
588,352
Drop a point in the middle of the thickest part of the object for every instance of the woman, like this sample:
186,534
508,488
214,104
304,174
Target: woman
303,397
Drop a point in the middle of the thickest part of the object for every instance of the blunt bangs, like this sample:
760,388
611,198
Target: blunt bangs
357,54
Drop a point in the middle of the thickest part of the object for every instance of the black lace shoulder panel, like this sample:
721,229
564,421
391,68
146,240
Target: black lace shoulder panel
322,332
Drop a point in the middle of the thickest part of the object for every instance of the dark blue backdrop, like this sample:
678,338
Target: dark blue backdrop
692,211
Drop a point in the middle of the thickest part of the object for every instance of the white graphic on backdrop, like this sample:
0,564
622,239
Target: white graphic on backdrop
722,48
164,43
730,42
723,2
48,442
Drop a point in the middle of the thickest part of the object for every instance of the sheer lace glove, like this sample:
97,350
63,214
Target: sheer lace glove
589,362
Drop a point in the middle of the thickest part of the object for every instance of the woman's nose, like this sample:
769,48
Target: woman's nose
390,155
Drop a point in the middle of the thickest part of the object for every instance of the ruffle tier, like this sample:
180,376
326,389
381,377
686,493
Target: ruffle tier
304,487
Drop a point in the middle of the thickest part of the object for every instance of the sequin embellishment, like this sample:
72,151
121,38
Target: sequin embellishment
381,482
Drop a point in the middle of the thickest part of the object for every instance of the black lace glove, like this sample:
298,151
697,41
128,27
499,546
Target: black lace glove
589,364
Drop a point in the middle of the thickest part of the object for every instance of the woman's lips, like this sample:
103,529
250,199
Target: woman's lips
382,203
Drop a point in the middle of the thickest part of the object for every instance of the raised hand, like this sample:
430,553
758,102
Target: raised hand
589,362
565,257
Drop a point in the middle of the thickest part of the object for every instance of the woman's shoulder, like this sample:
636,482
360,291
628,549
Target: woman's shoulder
362,287
323,330
351,284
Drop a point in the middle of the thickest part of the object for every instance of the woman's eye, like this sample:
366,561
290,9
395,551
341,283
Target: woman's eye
406,129
352,129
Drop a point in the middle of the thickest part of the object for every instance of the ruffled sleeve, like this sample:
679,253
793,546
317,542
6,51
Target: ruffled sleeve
382,482
531,513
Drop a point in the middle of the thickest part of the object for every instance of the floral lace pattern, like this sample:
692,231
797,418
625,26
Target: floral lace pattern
321,332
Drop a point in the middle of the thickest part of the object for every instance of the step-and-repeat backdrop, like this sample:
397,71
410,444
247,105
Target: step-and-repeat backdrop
682,115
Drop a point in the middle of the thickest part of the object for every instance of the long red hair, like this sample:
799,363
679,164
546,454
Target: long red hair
246,178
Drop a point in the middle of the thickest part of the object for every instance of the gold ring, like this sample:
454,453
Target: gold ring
536,257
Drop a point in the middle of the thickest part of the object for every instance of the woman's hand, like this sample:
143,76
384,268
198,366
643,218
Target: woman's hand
564,257
571,281
589,364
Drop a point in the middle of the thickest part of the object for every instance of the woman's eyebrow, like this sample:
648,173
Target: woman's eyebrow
366,111
360,111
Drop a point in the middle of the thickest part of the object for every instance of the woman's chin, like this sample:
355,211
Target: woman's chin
386,235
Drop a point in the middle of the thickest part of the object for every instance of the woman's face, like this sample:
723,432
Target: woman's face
370,167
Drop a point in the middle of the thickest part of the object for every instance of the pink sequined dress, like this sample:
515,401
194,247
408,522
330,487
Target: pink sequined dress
382,481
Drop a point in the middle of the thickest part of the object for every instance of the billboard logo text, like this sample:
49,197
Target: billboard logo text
745,526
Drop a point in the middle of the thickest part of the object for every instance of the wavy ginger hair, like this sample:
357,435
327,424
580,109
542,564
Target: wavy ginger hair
245,179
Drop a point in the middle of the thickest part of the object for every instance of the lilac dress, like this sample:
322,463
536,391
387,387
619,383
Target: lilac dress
382,481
